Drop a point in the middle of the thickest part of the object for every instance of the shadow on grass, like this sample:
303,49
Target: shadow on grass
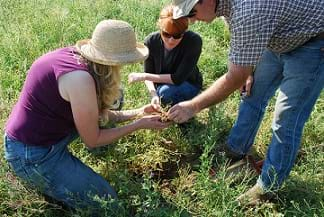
209,131
302,198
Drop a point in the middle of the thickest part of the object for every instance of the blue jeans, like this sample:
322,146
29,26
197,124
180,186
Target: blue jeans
55,172
299,76
172,94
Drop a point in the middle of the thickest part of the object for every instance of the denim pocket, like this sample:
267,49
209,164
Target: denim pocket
38,154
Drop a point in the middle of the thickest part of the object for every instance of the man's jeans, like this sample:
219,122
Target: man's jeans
57,173
299,76
172,94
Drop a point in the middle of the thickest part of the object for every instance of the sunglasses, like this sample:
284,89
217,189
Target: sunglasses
192,13
175,36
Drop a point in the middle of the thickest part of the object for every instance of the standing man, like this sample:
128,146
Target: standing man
284,42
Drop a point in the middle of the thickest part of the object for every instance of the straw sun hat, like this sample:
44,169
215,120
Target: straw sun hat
113,42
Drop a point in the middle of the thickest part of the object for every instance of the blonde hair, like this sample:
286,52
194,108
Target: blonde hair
172,26
107,79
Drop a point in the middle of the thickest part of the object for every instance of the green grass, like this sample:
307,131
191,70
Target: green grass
134,164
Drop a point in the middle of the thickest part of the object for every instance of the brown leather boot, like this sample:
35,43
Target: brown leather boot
254,196
240,167
223,150
247,164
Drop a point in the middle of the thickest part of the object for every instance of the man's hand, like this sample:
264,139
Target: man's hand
136,77
245,90
182,112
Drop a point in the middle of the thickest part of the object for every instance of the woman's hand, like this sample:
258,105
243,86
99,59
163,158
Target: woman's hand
136,77
155,102
152,122
147,109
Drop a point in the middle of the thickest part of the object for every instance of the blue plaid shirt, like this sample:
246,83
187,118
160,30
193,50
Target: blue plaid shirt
279,25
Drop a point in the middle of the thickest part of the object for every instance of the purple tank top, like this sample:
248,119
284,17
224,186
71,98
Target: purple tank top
41,116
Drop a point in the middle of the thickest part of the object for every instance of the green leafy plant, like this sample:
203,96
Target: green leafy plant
164,173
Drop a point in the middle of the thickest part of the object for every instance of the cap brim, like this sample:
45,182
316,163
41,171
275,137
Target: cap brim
139,54
183,9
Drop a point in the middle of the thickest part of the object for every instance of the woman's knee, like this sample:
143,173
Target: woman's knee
166,94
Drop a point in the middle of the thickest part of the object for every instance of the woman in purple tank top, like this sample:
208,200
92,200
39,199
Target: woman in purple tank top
68,93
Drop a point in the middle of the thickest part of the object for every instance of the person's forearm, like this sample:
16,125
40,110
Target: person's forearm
108,136
121,116
222,88
151,88
93,136
159,78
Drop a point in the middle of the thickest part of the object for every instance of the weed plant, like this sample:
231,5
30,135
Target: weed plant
162,173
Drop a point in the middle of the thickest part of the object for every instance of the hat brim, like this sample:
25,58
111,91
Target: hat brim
139,54
183,9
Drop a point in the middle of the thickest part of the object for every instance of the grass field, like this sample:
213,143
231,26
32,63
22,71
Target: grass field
162,173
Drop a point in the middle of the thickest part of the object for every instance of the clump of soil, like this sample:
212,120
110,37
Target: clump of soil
163,161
